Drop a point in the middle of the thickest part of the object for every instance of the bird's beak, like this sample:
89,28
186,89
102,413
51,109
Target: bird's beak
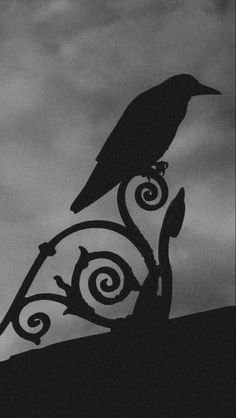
202,89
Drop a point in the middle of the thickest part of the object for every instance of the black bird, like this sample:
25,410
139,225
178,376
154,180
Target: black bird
142,135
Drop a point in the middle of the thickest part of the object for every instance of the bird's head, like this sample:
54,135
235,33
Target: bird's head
186,85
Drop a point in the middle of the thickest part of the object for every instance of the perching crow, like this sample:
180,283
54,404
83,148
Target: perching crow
142,135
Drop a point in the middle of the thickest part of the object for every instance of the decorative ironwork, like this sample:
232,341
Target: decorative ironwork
149,196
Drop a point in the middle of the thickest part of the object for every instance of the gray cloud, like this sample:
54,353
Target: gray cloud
67,71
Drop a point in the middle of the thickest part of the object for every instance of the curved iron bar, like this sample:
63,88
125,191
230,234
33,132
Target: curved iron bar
148,300
74,300
47,249
130,281
41,318
141,198
147,192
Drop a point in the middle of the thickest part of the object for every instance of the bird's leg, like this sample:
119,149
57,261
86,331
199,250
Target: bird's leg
160,167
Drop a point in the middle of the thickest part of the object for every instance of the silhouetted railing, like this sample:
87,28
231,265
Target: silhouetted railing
149,196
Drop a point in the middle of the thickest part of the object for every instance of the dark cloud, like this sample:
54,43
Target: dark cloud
222,6
52,26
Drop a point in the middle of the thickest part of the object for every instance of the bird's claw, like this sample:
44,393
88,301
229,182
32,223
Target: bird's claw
161,167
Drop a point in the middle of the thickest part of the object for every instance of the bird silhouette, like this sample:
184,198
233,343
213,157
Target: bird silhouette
141,137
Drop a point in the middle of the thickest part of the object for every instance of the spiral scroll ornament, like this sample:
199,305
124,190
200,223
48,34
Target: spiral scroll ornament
152,196
113,280
108,284
37,320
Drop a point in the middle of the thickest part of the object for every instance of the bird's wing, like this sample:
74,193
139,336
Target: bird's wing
122,139
143,122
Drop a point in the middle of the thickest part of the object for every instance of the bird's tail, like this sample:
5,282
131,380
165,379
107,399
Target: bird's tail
101,181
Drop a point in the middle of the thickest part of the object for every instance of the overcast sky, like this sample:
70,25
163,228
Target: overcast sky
67,71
